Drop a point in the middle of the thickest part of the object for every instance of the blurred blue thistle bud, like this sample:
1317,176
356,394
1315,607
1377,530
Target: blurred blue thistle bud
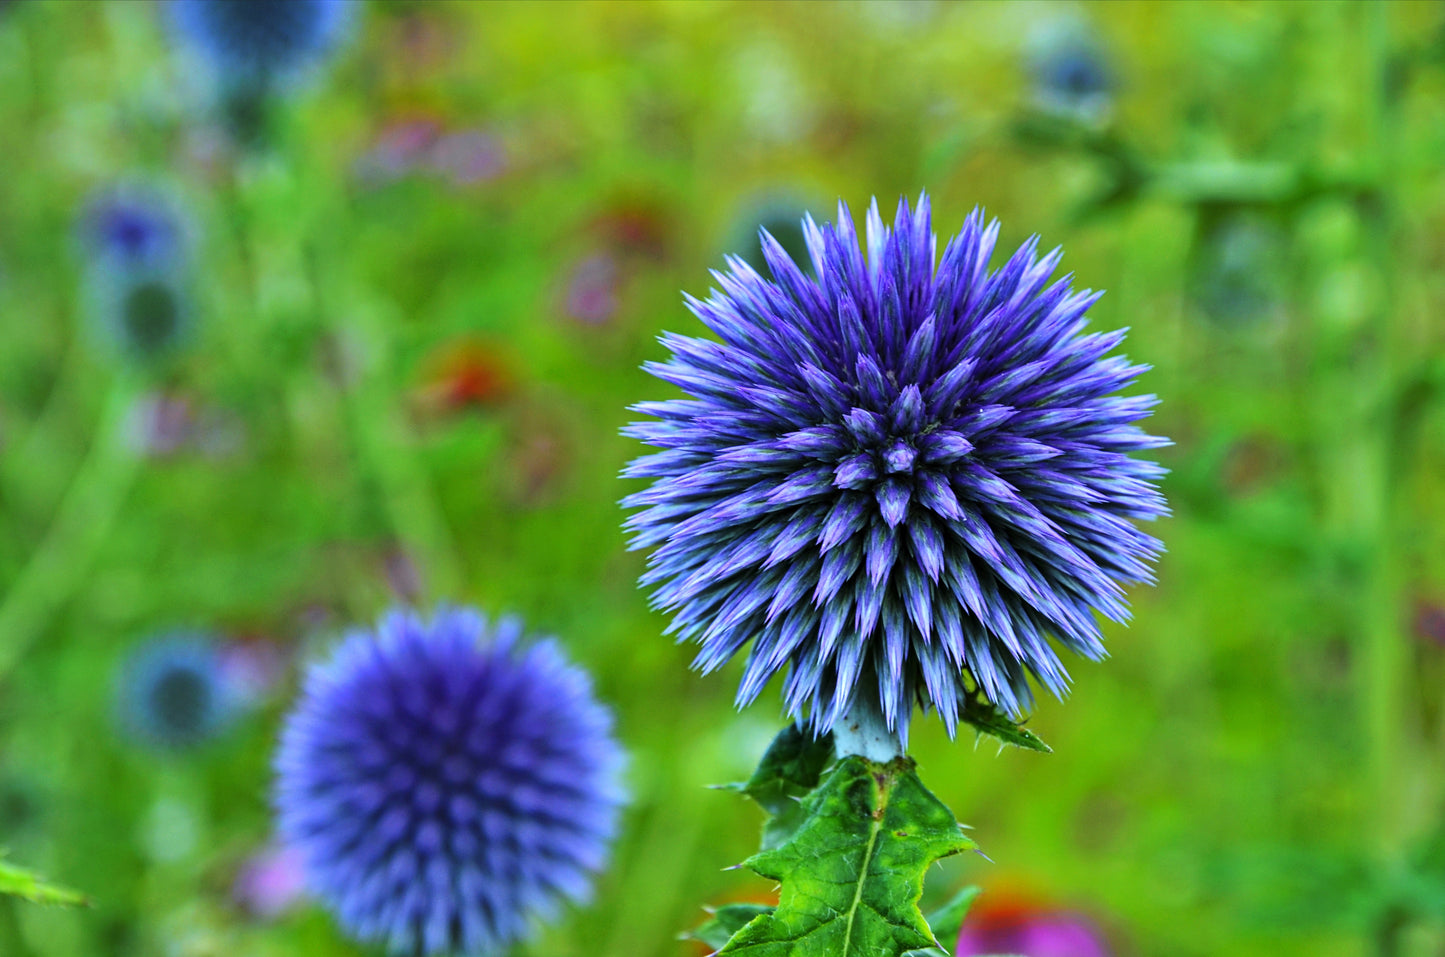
445,783
780,215
905,480
172,694
1238,269
260,42
134,245
256,48
1070,71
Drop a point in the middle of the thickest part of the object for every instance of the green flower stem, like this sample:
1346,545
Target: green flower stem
1385,643
77,532
376,425
372,423
864,733
383,445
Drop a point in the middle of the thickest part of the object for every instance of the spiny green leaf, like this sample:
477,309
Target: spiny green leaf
18,882
791,768
726,921
852,872
986,719
946,921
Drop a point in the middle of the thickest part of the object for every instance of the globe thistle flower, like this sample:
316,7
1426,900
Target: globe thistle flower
172,693
445,783
1071,74
258,42
1238,269
779,215
898,480
134,245
256,48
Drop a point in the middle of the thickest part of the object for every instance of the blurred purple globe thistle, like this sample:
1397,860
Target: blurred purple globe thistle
172,693
1071,72
780,215
257,42
257,48
895,476
445,783
135,250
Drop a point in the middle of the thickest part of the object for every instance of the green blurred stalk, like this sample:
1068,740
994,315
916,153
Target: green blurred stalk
374,426
80,526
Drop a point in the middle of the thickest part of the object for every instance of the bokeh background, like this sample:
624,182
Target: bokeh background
416,304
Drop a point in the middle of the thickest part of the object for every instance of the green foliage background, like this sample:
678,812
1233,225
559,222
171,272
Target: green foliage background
1257,769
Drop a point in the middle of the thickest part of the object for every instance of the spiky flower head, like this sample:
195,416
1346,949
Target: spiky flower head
900,478
172,693
134,242
445,783
257,42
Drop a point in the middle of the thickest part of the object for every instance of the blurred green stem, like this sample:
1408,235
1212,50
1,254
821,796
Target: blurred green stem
12,941
1385,644
62,560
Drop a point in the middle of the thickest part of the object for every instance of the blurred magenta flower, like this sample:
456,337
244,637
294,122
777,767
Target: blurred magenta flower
1003,923
469,157
160,424
1430,622
270,882
402,147
592,289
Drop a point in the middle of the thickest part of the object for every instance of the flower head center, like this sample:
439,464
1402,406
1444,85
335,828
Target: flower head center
899,457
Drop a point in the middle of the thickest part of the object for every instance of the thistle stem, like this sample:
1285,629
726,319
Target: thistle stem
864,732
62,561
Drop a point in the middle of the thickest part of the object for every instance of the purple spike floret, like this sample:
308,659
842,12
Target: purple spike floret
909,474
446,784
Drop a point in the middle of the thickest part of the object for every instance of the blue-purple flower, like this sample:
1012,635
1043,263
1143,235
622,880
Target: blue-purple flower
445,783
905,477
134,245
172,693
1072,75
250,42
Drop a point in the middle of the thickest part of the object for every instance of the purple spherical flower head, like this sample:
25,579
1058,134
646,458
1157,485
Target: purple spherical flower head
444,783
131,230
899,475
134,242
251,41
172,694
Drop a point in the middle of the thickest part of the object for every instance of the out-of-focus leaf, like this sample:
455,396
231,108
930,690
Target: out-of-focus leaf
726,921
791,767
946,921
19,882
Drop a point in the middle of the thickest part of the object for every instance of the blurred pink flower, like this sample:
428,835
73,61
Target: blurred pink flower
1007,923
469,157
592,289
270,883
